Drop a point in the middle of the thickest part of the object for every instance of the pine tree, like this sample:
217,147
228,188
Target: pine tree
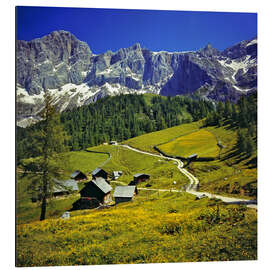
234,113
149,126
161,123
49,143
251,130
249,146
228,110
243,112
241,141
220,109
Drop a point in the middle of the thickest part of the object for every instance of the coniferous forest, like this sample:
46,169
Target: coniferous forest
125,116
119,118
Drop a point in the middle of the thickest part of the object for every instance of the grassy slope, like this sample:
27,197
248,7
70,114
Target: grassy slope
148,98
85,161
156,227
165,228
163,174
233,174
230,175
147,141
201,142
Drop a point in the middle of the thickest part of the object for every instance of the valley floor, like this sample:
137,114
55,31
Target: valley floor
163,223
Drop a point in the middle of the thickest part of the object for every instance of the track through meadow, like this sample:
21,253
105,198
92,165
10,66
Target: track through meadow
194,182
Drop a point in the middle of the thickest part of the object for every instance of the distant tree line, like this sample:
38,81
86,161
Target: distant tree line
119,118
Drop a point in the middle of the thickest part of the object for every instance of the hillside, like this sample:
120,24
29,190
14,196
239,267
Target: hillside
228,175
28,211
202,142
234,170
234,173
154,228
158,225
163,175
147,141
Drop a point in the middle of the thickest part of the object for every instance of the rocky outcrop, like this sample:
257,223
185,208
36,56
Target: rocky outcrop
59,62
51,62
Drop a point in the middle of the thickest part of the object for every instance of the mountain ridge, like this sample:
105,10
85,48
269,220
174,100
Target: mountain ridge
66,66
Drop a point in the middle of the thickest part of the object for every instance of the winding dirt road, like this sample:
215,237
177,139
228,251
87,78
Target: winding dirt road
194,182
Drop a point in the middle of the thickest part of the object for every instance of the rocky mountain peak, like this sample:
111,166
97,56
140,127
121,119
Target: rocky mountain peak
136,46
208,50
241,49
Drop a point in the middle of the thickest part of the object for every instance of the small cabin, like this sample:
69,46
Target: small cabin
192,157
98,172
220,145
140,177
116,174
124,193
85,203
97,188
113,142
78,176
132,183
65,187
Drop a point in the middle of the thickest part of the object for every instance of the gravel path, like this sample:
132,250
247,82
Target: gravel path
194,182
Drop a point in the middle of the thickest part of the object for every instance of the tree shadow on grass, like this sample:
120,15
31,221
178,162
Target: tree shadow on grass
229,125
237,155
252,163
241,158
233,152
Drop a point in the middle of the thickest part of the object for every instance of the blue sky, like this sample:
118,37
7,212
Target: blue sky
112,29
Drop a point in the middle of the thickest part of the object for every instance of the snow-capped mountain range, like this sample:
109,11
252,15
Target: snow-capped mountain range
64,65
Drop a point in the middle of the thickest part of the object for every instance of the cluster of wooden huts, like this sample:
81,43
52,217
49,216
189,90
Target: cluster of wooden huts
98,191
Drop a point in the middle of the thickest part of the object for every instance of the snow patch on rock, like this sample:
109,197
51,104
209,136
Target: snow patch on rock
254,41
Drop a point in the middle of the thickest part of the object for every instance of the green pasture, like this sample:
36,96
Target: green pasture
162,172
147,141
201,142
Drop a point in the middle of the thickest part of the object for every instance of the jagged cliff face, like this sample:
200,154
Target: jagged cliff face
62,64
51,62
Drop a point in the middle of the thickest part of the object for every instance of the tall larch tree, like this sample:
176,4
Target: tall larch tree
50,143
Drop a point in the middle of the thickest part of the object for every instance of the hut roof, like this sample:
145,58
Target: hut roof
124,191
76,173
102,184
140,174
97,170
192,156
220,144
66,185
